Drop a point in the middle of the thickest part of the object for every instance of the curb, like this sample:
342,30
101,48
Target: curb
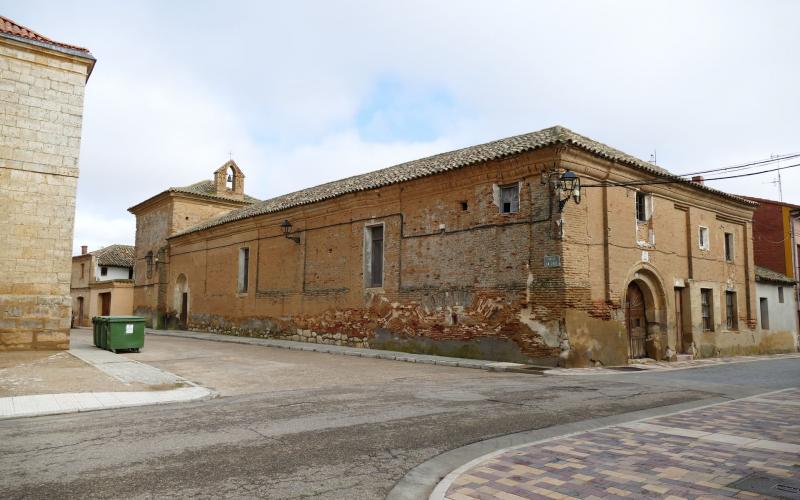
79,402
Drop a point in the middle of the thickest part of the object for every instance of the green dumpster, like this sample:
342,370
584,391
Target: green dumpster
96,331
121,333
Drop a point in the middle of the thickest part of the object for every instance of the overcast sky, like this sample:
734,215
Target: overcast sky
302,93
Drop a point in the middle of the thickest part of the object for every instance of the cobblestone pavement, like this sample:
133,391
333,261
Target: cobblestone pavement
693,454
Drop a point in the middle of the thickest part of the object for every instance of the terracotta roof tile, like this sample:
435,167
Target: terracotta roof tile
115,255
764,274
9,27
445,162
208,189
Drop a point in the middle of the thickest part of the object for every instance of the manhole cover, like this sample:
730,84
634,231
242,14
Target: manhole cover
778,487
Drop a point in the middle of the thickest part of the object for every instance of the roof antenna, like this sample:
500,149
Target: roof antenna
653,158
778,180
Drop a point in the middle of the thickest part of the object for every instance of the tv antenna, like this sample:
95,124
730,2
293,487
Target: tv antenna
777,180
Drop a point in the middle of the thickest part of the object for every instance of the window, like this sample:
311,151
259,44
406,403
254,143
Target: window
83,269
374,256
702,238
780,295
731,320
762,302
464,205
149,261
509,199
244,268
130,273
644,206
729,247
706,308
103,271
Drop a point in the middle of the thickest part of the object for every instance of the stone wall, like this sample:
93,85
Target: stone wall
41,99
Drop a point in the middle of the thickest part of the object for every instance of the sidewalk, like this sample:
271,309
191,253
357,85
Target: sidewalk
743,448
498,366
164,387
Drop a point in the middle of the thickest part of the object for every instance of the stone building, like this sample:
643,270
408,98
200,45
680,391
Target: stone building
102,283
483,252
167,213
41,109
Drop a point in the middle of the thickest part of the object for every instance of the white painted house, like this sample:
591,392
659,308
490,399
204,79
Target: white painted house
777,302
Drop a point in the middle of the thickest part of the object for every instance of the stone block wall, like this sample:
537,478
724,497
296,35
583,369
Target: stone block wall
41,107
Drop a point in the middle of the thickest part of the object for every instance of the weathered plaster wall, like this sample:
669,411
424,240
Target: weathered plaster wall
41,93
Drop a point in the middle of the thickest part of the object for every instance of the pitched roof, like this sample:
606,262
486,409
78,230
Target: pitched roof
204,189
764,274
445,162
115,255
762,201
208,189
16,30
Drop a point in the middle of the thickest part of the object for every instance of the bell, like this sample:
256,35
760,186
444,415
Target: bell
230,178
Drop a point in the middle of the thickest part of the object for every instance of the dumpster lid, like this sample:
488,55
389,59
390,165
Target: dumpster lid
122,319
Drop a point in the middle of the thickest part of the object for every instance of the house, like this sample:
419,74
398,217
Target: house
167,213
777,301
102,283
776,240
546,247
42,85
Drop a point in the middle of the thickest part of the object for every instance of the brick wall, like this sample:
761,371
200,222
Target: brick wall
769,234
41,107
461,278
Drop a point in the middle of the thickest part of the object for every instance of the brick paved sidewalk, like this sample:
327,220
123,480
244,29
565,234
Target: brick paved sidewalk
693,454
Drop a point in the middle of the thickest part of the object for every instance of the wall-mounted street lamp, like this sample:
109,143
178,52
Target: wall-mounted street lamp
286,227
568,186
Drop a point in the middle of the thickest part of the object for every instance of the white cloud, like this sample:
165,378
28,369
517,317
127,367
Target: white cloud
179,84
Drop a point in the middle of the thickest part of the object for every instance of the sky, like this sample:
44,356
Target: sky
301,93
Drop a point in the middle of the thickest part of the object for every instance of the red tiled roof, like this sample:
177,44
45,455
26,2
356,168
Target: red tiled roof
11,28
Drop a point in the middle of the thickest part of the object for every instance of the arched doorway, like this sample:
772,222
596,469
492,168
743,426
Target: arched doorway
182,301
636,321
645,307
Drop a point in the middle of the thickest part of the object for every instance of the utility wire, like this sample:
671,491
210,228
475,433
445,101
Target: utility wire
744,166
681,180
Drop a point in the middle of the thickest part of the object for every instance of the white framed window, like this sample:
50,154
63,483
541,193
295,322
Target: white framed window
644,206
244,269
373,256
703,238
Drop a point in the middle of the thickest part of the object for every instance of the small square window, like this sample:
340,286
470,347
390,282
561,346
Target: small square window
702,238
103,271
509,199
464,205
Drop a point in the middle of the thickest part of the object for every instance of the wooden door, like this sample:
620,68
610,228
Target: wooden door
184,309
636,321
80,311
105,304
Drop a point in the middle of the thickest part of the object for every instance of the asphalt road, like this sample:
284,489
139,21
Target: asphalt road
320,425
